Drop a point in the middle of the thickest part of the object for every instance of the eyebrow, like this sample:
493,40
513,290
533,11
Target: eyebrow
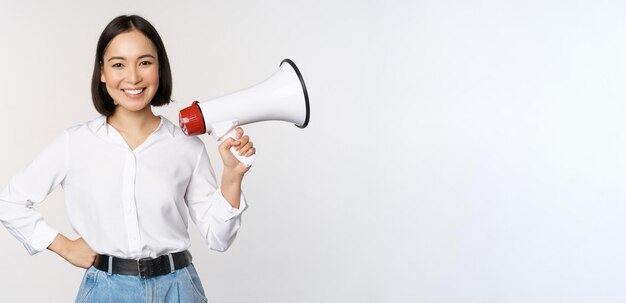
140,57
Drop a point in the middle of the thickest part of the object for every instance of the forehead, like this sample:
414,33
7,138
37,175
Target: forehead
130,44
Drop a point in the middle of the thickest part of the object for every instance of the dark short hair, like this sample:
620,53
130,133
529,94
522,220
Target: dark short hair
101,98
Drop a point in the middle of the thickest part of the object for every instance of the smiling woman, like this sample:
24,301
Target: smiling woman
129,49
131,179
130,71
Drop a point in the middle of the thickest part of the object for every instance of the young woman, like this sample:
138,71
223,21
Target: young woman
130,179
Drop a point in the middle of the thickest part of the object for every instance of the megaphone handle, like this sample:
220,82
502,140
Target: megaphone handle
247,161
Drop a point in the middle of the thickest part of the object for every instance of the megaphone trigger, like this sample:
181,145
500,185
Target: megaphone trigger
220,129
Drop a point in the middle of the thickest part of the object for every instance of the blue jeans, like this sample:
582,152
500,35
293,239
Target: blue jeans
182,285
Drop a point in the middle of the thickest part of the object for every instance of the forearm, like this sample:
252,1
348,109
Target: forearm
22,221
60,245
77,252
231,187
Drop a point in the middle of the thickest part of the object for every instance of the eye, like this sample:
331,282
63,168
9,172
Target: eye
117,65
145,63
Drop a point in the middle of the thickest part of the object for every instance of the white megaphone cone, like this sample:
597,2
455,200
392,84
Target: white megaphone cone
281,97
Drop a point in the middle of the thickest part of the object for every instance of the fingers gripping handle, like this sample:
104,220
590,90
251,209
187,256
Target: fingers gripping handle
247,161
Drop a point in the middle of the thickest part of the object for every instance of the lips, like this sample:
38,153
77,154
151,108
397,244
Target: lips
133,92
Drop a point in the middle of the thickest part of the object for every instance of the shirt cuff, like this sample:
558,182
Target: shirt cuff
223,210
39,241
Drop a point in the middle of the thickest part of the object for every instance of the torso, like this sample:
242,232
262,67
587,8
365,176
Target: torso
135,138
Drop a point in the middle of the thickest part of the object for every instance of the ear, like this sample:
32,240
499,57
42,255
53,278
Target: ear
103,79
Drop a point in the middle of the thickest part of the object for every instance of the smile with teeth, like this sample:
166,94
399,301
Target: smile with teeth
133,91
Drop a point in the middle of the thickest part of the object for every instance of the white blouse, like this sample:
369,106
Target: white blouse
126,203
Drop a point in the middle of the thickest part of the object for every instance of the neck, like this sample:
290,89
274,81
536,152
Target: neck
131,122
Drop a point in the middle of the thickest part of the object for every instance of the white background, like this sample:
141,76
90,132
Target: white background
458,151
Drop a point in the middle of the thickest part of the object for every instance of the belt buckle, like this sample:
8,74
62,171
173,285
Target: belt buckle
140,268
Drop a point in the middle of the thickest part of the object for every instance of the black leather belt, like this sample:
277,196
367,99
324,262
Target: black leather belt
146,267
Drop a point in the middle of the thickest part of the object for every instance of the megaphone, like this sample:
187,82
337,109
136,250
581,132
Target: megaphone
281,97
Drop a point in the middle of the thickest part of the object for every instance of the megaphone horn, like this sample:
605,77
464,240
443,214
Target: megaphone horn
281,97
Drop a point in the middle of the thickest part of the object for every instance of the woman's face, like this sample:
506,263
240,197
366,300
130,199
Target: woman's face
130,70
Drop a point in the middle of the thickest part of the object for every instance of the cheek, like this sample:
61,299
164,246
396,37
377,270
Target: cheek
111,88
154,77
112,79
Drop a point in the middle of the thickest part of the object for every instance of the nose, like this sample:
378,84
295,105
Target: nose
133,75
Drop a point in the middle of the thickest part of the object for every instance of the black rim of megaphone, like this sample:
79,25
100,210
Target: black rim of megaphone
306,95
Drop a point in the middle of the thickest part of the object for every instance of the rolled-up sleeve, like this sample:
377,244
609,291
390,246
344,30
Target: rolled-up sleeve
30,187
217,220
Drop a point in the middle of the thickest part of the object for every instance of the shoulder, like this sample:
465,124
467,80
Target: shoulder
180,137
92,125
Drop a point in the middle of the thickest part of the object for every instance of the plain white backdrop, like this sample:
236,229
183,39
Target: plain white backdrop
458,151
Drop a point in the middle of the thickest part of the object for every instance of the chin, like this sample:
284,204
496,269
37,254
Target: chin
133,107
